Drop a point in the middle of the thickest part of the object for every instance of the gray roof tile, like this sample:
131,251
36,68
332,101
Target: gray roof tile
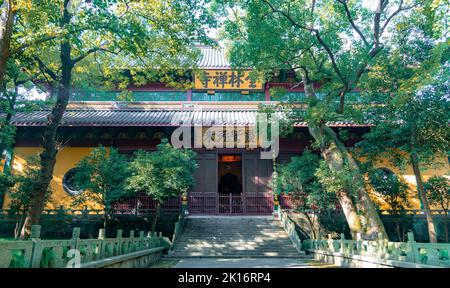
213,58
156,117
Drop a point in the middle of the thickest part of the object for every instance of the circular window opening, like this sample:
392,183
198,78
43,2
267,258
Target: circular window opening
69,183
383,180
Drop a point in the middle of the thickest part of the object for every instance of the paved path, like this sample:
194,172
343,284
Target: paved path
249,263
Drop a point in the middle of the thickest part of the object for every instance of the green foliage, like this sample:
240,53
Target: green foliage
393,191
298,178
163,174
18,259
341,180
438,191
48,258
22,191
7,135
415,116
116,42
6,182
412,123
101,177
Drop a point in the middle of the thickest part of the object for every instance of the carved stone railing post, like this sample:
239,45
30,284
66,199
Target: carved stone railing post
342,243
381,253
141,240
132,245
101,245
358,244
412,254
330,243
75,237
119,242
35,236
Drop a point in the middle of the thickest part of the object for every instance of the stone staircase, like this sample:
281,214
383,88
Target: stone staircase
234,237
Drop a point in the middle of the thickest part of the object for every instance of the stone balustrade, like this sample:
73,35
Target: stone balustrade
436,254
76,252
385,253
289,226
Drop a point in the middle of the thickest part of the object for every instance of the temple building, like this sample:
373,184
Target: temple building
229,181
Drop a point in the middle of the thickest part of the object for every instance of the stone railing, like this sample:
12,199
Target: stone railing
289,226
76,252
363,253
84,212
178,229
386,253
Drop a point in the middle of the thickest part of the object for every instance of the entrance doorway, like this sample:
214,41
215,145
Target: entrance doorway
230,184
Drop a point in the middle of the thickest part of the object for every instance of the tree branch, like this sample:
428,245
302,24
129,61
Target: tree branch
331,56
32,43
89,52
316,32
287,16
352,23
45,69
399,10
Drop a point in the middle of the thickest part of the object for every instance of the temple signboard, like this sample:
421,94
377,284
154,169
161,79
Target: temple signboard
226,80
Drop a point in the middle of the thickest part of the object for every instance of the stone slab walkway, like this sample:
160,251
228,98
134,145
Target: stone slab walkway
249,263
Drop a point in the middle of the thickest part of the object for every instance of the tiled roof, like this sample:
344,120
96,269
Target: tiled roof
213,58
156,117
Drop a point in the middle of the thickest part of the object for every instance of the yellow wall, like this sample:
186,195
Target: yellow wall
407,175
66,159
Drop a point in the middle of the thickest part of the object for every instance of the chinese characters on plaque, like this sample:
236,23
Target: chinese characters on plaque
226,80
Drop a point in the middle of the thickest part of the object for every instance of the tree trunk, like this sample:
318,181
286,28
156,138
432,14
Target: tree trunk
6,28
357,206
49,143
423,197
311,225
156,216
19,223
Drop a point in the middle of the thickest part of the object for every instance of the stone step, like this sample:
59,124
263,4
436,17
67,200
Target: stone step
271,253
229,243
236,250
237,239
229,237
211,232
236,236
234,255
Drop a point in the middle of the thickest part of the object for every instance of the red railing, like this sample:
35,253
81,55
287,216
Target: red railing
203,203
213,203
259,203
144,204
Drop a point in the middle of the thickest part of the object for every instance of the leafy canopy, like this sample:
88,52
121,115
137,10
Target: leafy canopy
101,178
113,43
392,190
21,191
164,173
438,191
299,179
